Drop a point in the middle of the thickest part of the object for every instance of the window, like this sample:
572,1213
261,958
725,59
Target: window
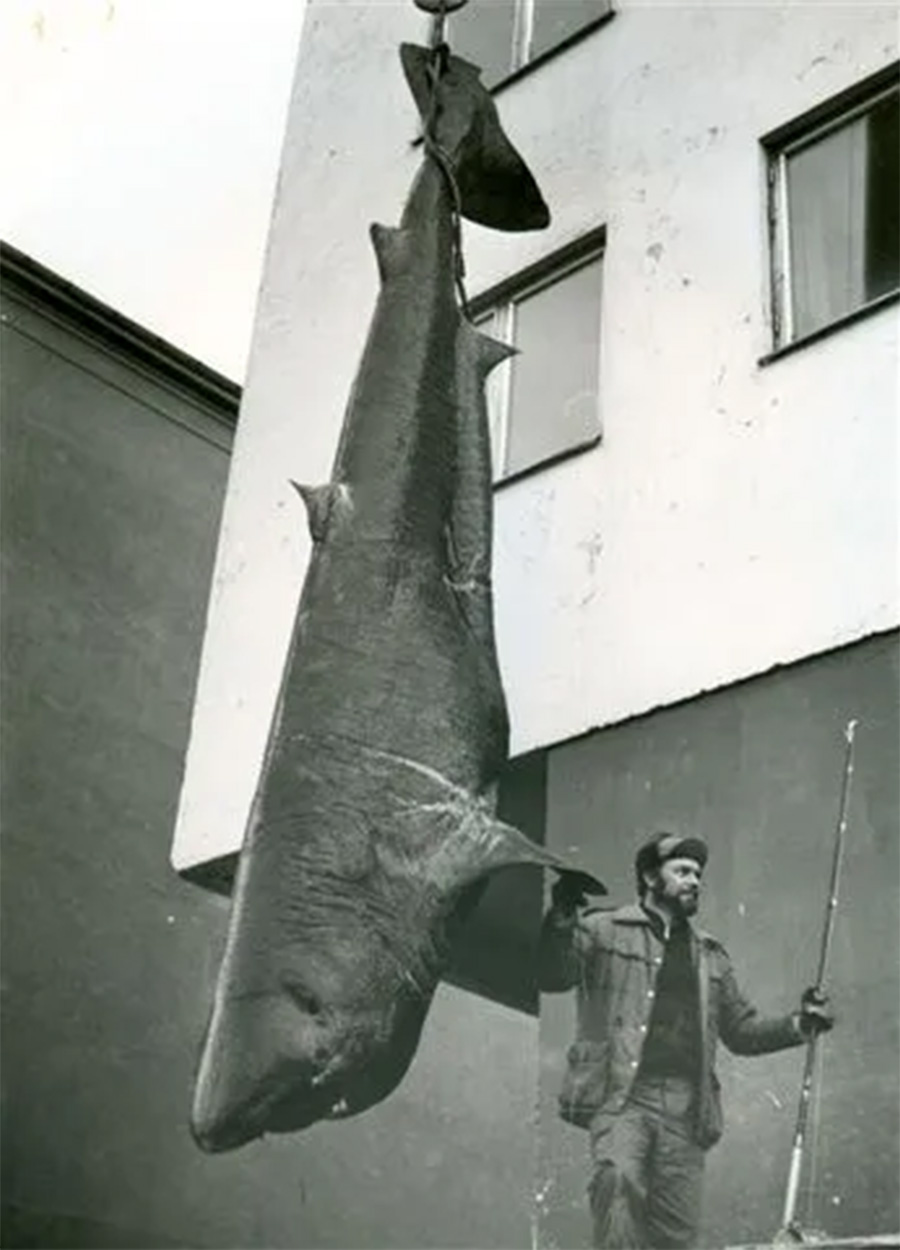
543,402
503,35
834,198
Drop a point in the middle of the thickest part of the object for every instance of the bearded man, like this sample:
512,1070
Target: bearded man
654,995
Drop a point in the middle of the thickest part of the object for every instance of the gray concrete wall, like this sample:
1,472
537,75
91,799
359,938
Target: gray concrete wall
112,486
756,770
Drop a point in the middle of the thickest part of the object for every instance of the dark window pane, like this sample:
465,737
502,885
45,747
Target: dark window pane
826,197
482,33
554,382
556,20
843,228
883,198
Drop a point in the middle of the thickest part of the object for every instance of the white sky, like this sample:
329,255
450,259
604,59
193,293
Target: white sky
140,149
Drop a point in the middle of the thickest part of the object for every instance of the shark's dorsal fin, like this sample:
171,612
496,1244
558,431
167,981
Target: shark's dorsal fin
491,352
321,503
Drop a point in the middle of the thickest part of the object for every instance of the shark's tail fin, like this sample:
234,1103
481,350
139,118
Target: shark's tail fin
495,186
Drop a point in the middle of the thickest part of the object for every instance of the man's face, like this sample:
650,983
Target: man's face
676,886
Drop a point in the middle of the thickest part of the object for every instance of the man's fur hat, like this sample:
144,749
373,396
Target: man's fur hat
663,846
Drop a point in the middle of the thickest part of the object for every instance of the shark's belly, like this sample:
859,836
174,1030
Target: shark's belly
385,656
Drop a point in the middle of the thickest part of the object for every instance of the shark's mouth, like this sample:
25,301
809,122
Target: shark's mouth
320,1099
292,1106
299,1109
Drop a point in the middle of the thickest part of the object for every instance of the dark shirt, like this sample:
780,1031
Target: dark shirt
672,1047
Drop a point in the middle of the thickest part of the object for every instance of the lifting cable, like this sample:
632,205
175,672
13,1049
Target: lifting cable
440,53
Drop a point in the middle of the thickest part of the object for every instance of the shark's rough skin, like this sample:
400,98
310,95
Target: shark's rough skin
373,828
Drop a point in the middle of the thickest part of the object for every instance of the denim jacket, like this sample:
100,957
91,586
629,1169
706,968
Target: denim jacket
612,959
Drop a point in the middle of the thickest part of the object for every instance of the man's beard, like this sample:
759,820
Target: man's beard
682,902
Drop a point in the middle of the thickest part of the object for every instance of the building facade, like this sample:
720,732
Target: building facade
696,555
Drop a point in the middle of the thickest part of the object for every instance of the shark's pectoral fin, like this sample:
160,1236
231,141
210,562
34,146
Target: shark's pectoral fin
497,845
508,847
586,882
322,503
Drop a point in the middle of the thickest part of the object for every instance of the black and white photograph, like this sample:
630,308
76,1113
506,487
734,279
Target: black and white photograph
450,721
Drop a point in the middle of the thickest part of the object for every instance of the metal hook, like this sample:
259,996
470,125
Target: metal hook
438,10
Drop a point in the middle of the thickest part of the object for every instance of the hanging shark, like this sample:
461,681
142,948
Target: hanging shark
373,828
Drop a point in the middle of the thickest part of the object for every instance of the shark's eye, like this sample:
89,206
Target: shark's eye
305,999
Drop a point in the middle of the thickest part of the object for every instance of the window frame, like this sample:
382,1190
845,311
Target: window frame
520,63
499,302
779,146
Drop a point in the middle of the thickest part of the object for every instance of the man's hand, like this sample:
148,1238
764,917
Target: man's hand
816,1015
568,892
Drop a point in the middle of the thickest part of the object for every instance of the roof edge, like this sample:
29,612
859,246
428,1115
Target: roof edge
28,279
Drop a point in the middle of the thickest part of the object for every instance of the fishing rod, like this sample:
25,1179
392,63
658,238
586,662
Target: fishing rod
790,1231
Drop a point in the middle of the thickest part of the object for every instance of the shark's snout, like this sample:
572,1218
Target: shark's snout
261,1070
281,1060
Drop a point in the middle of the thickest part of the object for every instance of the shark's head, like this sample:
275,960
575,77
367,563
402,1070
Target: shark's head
338,938
325,984
495,186
333,1038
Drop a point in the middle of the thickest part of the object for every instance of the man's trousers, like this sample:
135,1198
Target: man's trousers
647,1170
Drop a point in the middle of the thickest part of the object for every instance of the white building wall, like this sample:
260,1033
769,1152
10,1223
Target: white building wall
735,516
